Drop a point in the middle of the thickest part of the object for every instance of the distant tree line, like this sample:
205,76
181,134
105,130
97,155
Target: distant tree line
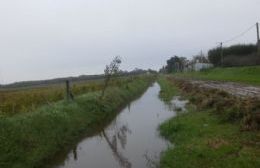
174,64
235,55
81,78
179,64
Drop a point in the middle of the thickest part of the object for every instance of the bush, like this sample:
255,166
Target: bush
234,55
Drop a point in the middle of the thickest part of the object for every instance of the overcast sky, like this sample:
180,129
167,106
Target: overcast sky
41,39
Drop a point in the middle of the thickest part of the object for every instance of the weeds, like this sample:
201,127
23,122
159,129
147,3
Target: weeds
229,108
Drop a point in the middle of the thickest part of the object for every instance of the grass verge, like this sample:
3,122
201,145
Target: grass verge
29,140
246,75
202,138
168,90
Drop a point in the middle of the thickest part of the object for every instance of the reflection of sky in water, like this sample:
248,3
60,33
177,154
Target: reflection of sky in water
131,140
177,104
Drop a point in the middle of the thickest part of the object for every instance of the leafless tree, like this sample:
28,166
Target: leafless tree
111,70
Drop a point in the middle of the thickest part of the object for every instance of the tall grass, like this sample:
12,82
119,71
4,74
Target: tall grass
168,90
28,140
26,100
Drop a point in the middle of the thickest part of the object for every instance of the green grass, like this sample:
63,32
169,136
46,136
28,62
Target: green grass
28,140
247,75
202,139
168,90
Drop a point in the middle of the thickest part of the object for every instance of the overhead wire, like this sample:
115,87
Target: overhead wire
239,35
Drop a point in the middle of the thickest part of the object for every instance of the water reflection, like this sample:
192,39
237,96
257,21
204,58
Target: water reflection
130,140
75,154
152,160
177,104
129,107
123,161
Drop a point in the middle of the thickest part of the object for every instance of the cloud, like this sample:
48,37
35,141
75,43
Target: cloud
53,38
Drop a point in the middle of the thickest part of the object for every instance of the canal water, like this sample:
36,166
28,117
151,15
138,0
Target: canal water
131,140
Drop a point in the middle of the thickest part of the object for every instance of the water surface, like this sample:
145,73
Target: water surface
131,140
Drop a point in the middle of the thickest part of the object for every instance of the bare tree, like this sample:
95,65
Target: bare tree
111,70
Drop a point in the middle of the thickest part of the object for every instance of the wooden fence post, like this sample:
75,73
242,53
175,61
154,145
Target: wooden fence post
69,95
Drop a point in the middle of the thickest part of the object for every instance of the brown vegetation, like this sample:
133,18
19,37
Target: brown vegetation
26,100
228,107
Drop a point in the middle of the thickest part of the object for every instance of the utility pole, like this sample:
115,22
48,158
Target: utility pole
221,53
258,39
257,31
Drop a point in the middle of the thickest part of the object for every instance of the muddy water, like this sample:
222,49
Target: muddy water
131,140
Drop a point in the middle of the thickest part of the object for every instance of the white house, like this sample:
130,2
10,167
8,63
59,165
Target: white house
199,66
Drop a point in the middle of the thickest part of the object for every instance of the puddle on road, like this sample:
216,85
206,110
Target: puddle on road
131,140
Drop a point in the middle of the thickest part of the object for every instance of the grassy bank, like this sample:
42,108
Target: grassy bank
168,89
202,138
30,139
247,75
12,101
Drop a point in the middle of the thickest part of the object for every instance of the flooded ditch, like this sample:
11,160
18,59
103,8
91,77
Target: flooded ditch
131,140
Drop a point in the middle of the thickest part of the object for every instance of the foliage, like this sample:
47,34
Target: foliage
199,58
175,64
29,139
111,70
240,50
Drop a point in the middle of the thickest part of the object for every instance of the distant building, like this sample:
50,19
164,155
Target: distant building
201,66
197,66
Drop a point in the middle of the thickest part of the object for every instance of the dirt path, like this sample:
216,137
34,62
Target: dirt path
236,89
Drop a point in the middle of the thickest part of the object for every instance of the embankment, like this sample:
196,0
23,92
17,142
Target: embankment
29,140
218,130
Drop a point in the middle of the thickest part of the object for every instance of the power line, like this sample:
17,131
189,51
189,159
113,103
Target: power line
239,35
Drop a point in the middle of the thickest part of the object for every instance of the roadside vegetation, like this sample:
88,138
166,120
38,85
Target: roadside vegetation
246,75
217,130
29,139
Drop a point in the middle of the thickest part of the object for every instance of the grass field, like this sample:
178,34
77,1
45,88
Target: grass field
202,138
247,75
29,139
28,99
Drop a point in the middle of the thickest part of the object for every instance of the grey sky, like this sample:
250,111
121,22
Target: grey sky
42,39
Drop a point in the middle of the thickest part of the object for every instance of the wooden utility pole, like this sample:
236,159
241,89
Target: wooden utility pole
258,38
221,53
257,31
